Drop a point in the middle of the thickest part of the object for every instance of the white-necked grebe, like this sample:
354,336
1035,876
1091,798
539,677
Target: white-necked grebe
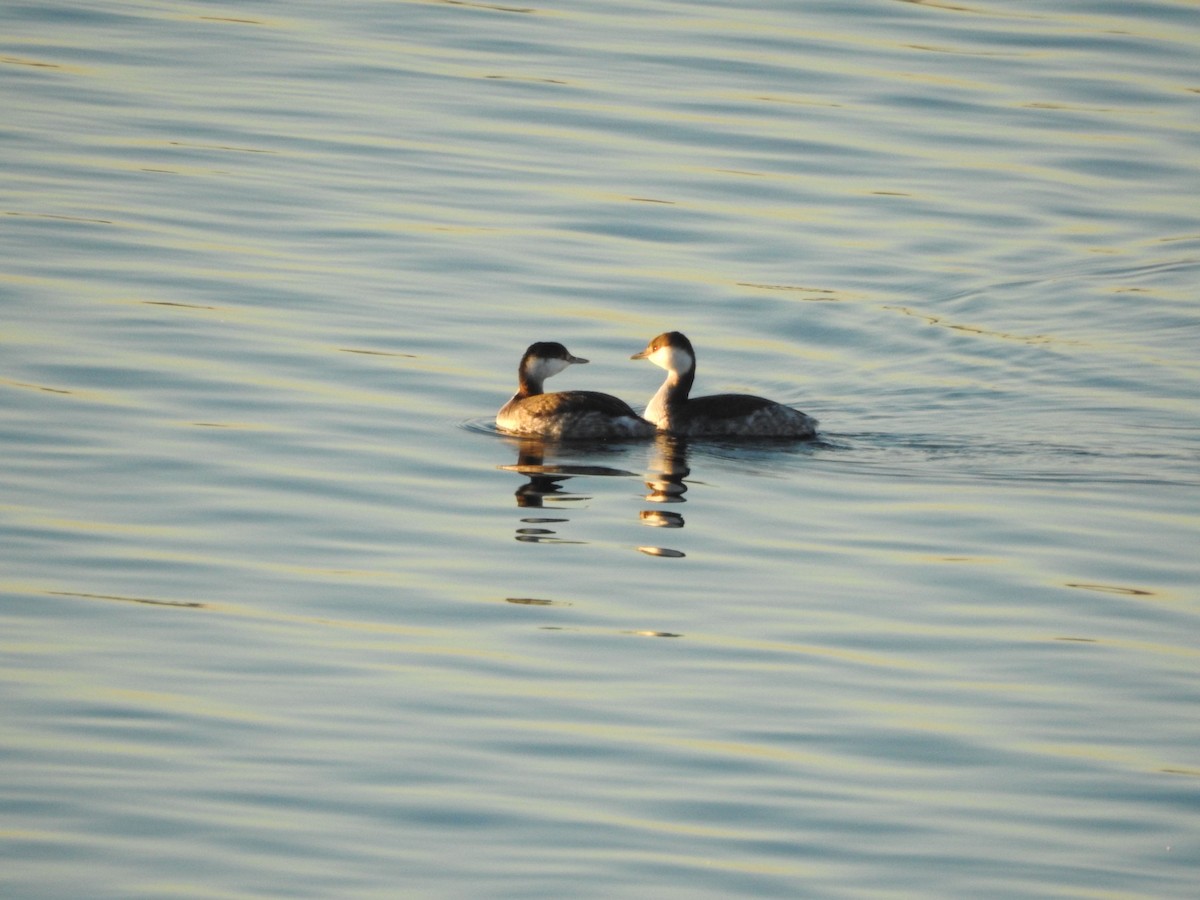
724,415
565,414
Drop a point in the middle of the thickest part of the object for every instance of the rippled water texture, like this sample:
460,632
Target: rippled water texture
281,614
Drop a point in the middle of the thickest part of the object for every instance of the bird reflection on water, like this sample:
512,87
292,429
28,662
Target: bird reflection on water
547,484
666,473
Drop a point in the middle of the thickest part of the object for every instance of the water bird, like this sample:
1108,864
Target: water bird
564,414
723,415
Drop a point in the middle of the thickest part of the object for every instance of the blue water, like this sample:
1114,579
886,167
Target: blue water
282,615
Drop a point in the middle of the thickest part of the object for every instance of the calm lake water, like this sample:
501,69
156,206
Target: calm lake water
281,615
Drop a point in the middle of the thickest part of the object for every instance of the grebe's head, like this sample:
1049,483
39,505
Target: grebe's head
546,358
671,350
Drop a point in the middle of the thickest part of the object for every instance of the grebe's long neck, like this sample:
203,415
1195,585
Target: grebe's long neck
672,394
529,383
534,370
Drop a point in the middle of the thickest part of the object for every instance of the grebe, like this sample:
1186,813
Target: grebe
725,415
566,414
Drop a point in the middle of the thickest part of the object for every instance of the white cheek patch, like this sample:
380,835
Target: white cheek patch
661,357
673,359
544,368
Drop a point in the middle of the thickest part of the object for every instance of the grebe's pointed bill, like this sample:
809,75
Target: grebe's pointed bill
656,343
574,360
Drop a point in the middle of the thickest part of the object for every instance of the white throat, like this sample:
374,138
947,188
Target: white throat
656,409
674,360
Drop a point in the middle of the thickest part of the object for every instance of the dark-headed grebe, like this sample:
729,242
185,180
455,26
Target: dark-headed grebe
565,414
724,415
